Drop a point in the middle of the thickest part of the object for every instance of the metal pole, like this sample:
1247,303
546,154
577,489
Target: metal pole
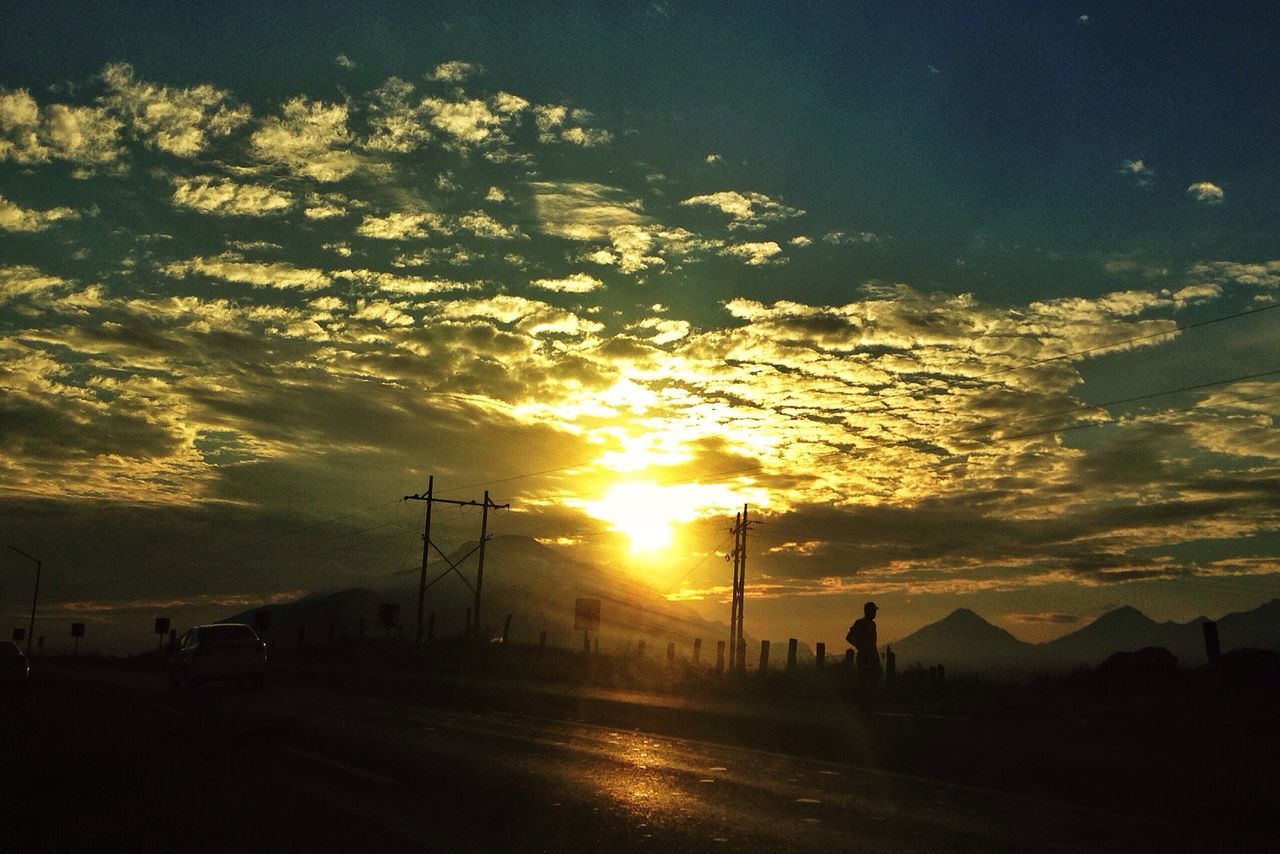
426,549
733,602
742,581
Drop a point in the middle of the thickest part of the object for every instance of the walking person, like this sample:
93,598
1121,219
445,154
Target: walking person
862,637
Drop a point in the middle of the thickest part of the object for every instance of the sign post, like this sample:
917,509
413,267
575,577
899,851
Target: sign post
162,629
77,632
586,618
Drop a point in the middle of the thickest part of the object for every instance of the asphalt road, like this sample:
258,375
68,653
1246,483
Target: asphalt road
100,759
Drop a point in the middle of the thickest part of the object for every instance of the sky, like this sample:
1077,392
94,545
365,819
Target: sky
970,304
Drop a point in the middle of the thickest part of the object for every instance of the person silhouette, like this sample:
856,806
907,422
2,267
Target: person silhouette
862,637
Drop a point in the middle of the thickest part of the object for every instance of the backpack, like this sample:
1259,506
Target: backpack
849,637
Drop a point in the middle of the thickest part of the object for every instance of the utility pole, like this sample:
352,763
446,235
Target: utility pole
31,626
427,545
733,602
741,524
426,556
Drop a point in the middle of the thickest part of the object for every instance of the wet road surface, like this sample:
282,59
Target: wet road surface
112,761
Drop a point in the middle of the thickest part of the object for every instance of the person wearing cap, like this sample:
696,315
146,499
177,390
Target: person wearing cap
862,637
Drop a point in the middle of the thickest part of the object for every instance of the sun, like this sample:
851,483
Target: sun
649,514
643,512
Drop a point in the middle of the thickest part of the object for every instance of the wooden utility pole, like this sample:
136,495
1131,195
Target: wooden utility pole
427,545
737,656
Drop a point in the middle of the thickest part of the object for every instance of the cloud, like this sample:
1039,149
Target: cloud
713,160
342,61
456,71
176,121
309,138
586,137
1206,193
801,241
580,210
481,224
468,121
660,330
33,134
24,280
752,211
404,285
1047,617
16,218
574,283
840,238
224,197
396,125
754,254
232,268
1138,172
401,225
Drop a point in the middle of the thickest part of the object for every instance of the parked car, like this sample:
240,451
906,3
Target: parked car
221,651
14,667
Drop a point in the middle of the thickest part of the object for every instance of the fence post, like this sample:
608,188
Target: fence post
506,629
742,656
890,664
719,657
791,654
820,654
542,640
764,656
697,650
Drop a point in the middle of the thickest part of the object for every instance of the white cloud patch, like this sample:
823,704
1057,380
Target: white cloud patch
752,211
30,133
232,268
455,71
580,210
343,61
1206,193
14,217
481,224
395,124
404,285
1138,172
843,238
658,330
586,137
574,283
176,121
754,254
24,280
401,225
309,138
225,197
467,121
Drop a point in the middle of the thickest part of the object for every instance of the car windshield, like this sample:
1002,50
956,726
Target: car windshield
9,649
227,633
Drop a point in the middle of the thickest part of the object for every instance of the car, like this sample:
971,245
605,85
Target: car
219,651
14,667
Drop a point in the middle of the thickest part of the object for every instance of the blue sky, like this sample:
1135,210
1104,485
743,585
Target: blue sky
862,266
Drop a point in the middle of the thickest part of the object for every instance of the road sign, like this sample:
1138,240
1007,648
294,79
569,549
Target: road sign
19,634
77,630
586,615
162,625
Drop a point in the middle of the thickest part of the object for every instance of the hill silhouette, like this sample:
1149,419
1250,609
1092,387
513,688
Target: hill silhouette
966,642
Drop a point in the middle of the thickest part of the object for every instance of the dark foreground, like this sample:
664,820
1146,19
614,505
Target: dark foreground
106,759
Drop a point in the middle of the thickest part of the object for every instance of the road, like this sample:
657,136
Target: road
100,759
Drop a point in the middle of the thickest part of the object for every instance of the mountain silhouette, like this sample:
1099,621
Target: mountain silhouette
963,639
966,643
536,584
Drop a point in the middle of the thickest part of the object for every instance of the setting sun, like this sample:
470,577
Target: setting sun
648,513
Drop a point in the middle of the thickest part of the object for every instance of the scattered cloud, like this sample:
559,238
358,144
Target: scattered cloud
1138,172
1206,193
14,217
30,133
752,211
180,122
456,71
754,254
401,225
574,283
342,61
229,267
309,138
225,197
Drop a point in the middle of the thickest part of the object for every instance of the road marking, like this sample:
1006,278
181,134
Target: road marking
341,766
